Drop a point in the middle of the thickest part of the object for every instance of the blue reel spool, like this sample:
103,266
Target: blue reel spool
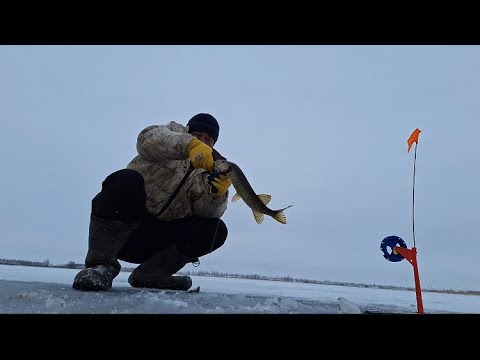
390,242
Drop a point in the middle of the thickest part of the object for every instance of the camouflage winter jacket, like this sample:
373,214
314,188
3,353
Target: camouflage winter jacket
163,161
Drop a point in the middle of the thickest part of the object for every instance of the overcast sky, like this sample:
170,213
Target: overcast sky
322,128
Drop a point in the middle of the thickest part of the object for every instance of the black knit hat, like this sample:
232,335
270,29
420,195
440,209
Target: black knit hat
204,123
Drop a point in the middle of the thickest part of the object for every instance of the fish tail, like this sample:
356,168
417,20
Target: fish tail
280,216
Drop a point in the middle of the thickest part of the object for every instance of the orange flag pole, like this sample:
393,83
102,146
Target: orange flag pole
411,254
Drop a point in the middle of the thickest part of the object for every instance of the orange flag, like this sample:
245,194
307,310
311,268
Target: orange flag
413,138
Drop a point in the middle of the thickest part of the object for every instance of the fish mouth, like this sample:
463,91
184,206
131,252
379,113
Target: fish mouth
222,166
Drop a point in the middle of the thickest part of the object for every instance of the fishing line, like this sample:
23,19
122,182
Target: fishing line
214,236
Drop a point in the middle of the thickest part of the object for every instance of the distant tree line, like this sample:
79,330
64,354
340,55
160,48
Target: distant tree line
45,263
73,265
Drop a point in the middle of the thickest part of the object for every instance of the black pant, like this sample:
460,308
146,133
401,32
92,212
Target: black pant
123,198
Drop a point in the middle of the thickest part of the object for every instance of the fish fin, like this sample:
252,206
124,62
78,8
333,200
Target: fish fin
265,198
258,217
236,197
280,216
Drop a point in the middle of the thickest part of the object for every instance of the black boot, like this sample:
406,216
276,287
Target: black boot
105,239
157,272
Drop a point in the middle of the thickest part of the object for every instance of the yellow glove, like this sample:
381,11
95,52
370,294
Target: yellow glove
219,183
200,155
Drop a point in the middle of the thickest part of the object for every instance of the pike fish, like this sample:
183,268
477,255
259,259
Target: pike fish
258,203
